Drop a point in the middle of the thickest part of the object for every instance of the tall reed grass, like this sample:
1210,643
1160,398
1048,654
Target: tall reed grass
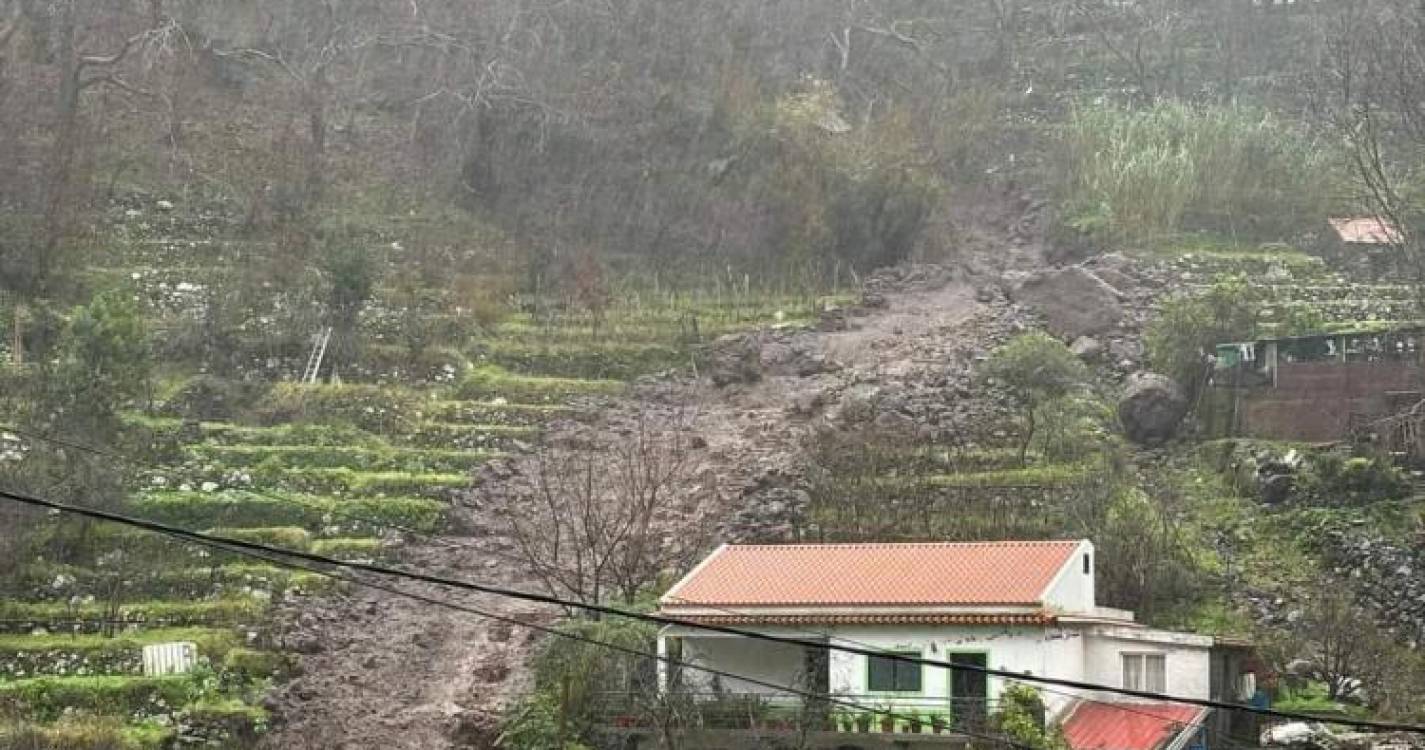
1132,176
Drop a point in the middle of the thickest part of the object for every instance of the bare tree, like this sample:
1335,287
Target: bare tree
1376,97
603,523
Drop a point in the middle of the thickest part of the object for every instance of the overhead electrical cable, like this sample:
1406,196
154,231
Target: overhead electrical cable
495,590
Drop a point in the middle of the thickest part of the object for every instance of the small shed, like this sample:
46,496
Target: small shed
1364,243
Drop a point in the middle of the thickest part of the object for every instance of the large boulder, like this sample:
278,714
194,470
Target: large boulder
1151,408
1073,301
735,358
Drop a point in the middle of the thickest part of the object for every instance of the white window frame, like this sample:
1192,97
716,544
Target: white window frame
1139,678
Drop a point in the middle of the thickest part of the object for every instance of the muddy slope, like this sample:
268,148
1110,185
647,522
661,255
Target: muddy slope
380,670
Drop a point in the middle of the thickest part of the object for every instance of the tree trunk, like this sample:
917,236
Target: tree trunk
17,343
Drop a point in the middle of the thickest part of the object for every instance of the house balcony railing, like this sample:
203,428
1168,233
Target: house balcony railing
767,713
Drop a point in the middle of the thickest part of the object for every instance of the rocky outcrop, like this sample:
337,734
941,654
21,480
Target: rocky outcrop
735,358
1073,301
1151,407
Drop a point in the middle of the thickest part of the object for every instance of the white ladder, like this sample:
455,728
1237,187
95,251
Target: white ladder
319,352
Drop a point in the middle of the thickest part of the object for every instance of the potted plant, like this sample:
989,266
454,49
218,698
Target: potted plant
938,724
845,722
888,722
863,722
915,724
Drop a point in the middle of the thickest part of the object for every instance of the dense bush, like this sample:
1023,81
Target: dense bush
1139,175
1037,369
1335,480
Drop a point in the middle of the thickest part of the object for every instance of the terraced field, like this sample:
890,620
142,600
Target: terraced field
346,470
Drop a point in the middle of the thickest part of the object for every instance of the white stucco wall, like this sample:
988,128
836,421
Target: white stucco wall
768,662
1084,652
1073,590
1187,660
1027,650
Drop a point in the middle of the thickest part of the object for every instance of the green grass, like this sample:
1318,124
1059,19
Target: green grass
435,434
212,642
1051,475
244,509
490,413
46,699
349,548
343,481
169,613
489,382
86,734
354,457
286,537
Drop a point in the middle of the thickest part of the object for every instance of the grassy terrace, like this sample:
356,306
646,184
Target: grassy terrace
330,469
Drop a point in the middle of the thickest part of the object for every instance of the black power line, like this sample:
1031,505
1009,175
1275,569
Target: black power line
237,544
279,558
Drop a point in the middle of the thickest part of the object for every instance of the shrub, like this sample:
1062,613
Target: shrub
1134,175
1189,325
1037,369
1353,481
212,398
248,665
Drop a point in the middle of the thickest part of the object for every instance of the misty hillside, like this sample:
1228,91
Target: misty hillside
561,296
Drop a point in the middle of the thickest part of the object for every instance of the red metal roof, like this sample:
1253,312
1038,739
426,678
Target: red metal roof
1128,726
1366,231
976,573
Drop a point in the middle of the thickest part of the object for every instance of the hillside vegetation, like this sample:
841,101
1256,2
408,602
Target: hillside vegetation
302,273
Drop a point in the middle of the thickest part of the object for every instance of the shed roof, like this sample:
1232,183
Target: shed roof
1128,726
1366,230
828,575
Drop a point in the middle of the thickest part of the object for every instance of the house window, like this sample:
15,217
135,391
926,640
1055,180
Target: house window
1088,565
1145,672
887,675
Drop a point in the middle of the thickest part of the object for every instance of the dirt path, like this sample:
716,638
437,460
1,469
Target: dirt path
385,671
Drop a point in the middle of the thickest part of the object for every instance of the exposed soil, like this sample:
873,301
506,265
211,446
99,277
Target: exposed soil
386,671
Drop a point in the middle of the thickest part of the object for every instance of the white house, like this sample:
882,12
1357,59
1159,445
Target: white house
1021,607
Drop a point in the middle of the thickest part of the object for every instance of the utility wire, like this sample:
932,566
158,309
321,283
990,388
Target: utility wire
1124,707
279,557
494,553
664,620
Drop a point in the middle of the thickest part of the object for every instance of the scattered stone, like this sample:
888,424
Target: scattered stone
1087,348
1151,408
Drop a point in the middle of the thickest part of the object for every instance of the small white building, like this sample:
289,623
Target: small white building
1021,607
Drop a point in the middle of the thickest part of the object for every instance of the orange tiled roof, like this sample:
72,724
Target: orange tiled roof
1366,231
1032,619
976,573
